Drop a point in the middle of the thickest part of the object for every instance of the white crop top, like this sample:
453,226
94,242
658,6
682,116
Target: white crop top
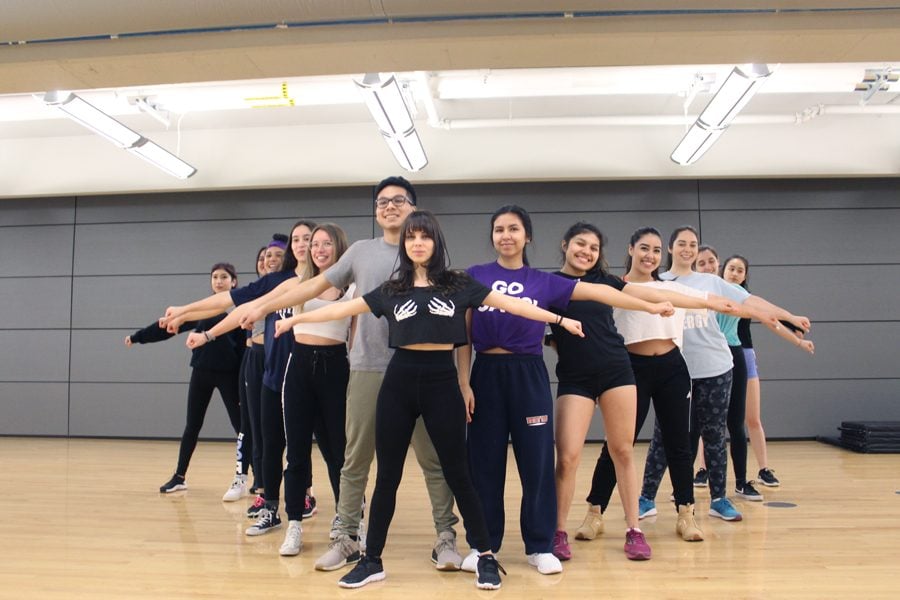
333,330
639,326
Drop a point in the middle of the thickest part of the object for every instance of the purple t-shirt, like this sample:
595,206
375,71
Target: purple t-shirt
494,328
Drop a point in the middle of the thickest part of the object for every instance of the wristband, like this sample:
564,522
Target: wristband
209,337
559,319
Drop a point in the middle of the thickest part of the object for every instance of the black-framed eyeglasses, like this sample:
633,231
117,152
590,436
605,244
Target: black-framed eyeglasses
397,201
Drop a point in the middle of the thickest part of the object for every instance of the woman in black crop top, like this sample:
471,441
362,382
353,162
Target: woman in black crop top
425,304
214,367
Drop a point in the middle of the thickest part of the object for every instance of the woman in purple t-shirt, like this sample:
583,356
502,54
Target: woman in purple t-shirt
508,391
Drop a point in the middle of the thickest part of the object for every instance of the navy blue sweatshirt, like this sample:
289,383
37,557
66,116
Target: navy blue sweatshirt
222,354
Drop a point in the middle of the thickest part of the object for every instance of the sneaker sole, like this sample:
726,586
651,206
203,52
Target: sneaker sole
487,586
650,513
637,555
370,579
447,565
749,497
545,572
229,497
256,532
716,514
701,485
311,513
290,551
587,537
350,560
761,482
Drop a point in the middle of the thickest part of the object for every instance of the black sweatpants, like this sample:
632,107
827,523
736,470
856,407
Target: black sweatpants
245,436
253,377
200,390
422,383
665,381
314,398
737,412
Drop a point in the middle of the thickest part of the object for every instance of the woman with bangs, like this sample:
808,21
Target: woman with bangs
425,304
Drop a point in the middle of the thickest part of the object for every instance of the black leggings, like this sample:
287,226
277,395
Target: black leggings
422,383
737,412
665,380
314,398
253,376
200,391
245,436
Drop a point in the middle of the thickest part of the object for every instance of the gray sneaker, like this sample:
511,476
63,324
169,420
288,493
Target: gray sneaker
445,556
342,551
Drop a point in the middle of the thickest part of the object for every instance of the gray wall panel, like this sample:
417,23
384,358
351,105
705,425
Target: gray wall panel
854,293
34,408
100,356
585,196
37,211
35,251
35,302
282,204
182,247
843,351
35,355
799,193
140,410
806,237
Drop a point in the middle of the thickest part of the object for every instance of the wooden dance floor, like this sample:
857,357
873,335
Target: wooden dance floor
83,519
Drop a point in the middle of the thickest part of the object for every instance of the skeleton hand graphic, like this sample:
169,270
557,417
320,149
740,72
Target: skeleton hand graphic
405,310
441,308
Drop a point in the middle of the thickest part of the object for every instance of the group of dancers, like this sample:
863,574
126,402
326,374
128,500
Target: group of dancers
381,358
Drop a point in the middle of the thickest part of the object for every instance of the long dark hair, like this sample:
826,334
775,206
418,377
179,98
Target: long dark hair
584,227
259,254
438,268
635,237
523,215
745,283
674,237
290,261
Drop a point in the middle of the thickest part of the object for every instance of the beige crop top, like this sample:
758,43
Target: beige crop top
333,330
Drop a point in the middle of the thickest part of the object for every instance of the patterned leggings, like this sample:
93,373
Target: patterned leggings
710,396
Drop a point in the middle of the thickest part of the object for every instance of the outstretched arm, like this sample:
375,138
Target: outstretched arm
523,308
795,339
712,301
201,309
290,293
764,305
605,294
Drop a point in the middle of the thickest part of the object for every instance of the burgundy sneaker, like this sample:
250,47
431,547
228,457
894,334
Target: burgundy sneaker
561,549
636,547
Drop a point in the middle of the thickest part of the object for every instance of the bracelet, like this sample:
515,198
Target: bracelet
559,319
209,337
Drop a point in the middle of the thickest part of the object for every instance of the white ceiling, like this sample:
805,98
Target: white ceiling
579,96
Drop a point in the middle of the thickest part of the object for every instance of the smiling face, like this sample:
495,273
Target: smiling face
684,250
582,252
390,217
274,259
707,262
321,249
509,236
221,281
300,242
735,271
646,254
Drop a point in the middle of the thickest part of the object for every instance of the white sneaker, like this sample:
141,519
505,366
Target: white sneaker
237,490
293,540
546,563
470,562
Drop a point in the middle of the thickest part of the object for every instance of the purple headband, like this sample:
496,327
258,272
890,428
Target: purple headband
277,244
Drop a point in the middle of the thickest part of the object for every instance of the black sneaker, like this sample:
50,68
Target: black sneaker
267,520
309,506
367,570
487,573
259,503
748,492
176,484
767,478
701,479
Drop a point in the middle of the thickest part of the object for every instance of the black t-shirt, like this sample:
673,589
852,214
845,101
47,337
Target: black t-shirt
424,315
602,348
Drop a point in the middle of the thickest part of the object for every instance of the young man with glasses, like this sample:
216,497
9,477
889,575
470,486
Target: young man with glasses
369,263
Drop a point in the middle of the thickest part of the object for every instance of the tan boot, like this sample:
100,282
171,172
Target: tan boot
592,526
686,526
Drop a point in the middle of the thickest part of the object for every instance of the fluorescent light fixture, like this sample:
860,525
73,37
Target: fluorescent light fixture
162,159
733,95
93,118
408,150
384,99
695,142
99,122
